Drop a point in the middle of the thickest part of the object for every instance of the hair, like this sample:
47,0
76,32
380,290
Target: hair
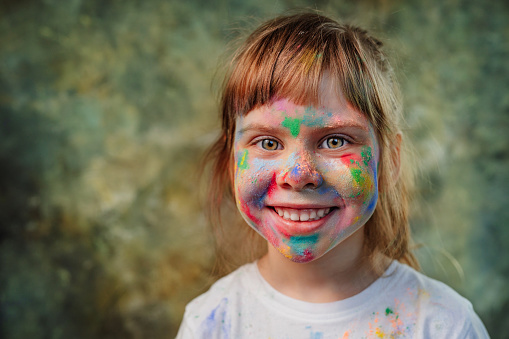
287,57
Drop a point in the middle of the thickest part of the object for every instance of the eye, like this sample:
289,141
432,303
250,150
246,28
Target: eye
333,142
269,144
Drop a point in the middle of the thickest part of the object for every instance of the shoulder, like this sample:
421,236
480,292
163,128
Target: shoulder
211,311
441,311
429,292
229,287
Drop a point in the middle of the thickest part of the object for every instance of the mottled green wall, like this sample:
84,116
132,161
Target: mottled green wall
107,106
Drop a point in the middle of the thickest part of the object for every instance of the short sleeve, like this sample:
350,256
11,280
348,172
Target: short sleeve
476,329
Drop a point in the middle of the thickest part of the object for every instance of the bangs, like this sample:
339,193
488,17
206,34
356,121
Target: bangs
288,57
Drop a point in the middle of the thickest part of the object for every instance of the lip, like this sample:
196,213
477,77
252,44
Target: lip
292,228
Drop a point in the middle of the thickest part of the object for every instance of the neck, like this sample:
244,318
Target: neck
341,273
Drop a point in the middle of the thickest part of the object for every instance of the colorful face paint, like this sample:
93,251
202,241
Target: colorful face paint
305,177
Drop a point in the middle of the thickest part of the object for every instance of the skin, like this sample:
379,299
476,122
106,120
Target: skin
307,158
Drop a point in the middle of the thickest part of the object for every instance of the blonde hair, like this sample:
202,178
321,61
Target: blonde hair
286,57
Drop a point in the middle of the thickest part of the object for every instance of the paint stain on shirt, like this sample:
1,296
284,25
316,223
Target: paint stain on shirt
217,323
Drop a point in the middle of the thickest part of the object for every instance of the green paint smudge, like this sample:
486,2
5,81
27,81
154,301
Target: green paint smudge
293,125
356,194
357,175
388,311
242,164
366,154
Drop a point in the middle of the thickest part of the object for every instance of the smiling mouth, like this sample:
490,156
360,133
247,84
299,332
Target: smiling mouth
307,214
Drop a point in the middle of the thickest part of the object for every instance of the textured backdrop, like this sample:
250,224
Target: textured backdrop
106,108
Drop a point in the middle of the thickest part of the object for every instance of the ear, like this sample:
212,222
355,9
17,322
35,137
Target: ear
396,157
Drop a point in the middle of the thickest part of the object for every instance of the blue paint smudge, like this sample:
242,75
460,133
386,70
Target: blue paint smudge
299,244
373,201
264,165
325,189
314,335
292,160
309,118
261,192
295,171
218,323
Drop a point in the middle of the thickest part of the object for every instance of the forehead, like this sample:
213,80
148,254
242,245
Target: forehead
284,112
329,106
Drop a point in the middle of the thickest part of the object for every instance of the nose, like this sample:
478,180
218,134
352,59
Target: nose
299,173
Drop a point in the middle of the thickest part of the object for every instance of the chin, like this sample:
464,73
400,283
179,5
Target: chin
299,250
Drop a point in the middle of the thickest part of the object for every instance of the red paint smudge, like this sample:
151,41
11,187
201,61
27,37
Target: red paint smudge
272,186
245,209
273,239
348,158
284,232
306,257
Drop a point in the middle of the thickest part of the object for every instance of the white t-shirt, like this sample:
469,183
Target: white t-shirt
402,303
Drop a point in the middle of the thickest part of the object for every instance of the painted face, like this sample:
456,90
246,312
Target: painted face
306,177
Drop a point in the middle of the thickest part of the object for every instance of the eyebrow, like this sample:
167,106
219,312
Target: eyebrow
260,128
272,129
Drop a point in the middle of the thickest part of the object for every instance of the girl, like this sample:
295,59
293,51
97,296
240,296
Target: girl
310,148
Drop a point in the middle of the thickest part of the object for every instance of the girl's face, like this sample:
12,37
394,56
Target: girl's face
306,177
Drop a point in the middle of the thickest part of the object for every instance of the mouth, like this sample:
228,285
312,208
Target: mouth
305,214
296,220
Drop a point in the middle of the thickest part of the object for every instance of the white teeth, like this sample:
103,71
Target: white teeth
307,214
304,216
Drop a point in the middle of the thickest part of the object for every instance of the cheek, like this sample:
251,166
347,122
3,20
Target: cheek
353,178
254,180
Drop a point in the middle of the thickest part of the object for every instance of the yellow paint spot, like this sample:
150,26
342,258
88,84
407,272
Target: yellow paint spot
285,250
308,58
379,333
365,182
423,293
243,160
